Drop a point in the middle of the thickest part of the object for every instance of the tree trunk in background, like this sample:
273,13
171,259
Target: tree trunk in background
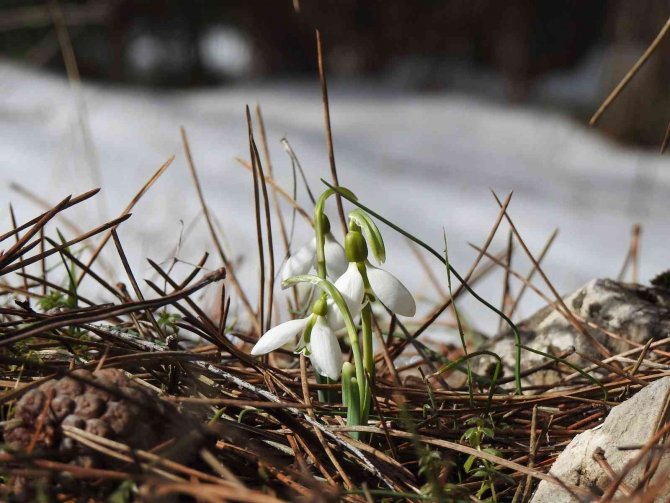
641,112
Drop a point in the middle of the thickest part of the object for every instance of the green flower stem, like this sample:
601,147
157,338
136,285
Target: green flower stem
320,231
325,395
360,220
319,228
360,369
368,359
351,397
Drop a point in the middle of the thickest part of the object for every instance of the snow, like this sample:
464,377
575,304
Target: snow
426,161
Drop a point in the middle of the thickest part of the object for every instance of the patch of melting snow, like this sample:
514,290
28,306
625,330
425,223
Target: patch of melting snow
427,162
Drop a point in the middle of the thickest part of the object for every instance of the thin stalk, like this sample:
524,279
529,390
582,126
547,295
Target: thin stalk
351,398
319,221
458,318
368,359
325,395
320,234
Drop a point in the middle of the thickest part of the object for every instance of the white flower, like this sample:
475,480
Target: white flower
279,336
351,286
336,261
386,288
325,352
303,260
390,291
324,349
300,262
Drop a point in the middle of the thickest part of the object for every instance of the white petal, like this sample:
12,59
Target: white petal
278,336
301,261
336,260
351,286
334,316
325,351
391,292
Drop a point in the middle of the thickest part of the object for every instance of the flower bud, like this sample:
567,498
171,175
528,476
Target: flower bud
355,247
320,307
325,224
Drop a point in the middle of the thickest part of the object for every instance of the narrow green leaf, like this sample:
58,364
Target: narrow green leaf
371,232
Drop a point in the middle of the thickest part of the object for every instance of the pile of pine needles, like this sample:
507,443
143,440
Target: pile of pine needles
271,438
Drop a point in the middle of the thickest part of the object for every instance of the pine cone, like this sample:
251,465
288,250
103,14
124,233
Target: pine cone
105,403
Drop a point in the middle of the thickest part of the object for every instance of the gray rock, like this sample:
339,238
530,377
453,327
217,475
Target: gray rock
631,423
634,312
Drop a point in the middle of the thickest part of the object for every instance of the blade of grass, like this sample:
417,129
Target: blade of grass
259,228
329,132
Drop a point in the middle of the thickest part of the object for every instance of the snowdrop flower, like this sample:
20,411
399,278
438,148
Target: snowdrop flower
318,339
382,285
351,286
390,291
303,260
324,351
279,336
385,287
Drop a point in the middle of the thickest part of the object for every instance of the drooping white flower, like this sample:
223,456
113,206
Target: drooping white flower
390,291
304,259
325,352
385,287
279,336
350,285
323,348
301,261
336,261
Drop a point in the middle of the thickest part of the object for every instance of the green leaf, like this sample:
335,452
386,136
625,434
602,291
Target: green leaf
481,473
353,406
469,433
467,466
371,232
54,299
123,493
492,451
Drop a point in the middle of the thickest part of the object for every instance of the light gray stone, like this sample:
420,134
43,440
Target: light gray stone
631,311
631,423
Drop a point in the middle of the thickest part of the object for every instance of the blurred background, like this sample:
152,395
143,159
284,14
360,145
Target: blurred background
563,54
433,103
